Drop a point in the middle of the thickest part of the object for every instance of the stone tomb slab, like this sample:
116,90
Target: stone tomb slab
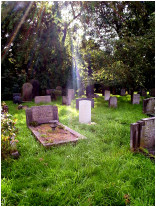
44,99
43,132
61,135
80,99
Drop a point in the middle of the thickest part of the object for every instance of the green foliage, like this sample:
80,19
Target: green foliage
8,134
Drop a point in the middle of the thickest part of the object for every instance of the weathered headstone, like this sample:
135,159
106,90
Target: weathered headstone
113,102
59,88
136,99
36,87
149,105
107,95
123,91
44,99
41,114
65,100
71,95
88,99
143,135
17,99
27,92
85,111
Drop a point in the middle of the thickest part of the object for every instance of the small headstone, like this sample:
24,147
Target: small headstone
44,99
113,102
143,135
27,92
88,99
149,105
65,100
136,99
123,91
85,111
107,95
41,114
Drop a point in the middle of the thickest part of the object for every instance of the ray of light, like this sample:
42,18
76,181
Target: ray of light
15,32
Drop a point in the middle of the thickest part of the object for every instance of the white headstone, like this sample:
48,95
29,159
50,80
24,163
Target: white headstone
85,111
107,95
71,95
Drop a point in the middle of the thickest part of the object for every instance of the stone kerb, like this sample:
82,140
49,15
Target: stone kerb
113,102
44,99
81,99
85,111
41,114
142,135
107,95
136,99
149,105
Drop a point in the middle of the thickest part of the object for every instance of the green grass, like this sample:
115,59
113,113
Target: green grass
98,171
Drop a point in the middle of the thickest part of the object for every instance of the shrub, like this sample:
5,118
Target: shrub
8,134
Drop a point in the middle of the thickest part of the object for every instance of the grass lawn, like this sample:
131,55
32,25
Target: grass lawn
98,171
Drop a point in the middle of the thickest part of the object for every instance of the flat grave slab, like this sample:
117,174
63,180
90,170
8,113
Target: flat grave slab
61,135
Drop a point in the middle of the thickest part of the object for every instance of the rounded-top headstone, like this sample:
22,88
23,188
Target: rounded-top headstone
27,92
85,111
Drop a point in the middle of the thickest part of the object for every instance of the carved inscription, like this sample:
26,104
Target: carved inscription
42,114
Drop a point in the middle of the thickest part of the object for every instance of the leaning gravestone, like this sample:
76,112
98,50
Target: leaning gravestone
88,99
44,99
123,91
143,135
149,106
41,114
136,99
107,95
85,111
113,102
27,92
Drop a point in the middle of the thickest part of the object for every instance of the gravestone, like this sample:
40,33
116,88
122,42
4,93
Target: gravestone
113,102
27,92
136,99
36,88
88,99
65,100
59,88
16,94
17,99
44,99
149,106
71,95
49,91
41,114
85,111
142,135
123,91
107,95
